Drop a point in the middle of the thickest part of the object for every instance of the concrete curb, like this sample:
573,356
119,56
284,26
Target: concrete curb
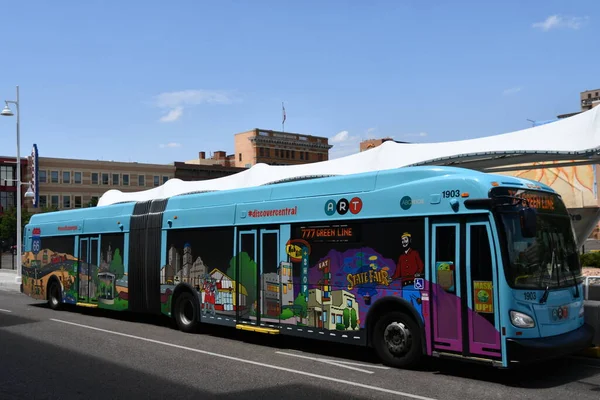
10,286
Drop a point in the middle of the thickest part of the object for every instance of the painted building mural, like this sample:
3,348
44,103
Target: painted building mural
52,257
98,276
202,258
577,184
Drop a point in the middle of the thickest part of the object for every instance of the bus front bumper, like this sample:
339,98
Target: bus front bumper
532,350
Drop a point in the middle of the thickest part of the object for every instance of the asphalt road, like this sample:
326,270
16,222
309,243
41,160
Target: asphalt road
90,354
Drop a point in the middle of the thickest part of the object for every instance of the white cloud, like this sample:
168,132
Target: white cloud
172,115
510,91
170,145
558,21
175,102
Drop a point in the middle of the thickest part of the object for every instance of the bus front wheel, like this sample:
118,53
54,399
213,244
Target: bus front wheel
186,312
397,340
54,300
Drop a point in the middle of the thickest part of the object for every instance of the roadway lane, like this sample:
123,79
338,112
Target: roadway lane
85,353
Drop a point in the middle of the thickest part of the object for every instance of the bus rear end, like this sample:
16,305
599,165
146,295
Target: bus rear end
543,297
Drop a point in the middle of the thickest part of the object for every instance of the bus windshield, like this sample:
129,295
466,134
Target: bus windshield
550,259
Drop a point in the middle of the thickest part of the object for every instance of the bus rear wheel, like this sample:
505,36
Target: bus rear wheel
397,340
54,299
186,312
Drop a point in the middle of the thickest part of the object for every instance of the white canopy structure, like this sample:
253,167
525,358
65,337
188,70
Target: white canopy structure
574,138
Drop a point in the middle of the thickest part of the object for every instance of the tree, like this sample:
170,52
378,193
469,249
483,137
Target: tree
8,223
346,317
301,302
248,274
116,265
353,318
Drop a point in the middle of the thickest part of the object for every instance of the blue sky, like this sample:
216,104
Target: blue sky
152,81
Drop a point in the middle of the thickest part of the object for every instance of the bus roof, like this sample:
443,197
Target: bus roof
409,178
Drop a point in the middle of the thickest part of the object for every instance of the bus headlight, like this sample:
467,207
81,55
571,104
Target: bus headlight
581,310
521,320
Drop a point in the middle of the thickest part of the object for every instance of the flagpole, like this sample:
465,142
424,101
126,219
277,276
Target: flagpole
283,119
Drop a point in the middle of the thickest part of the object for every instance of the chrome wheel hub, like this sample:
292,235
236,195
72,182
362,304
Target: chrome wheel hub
397,337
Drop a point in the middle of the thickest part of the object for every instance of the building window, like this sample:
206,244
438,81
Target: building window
54,176
54,201
302,155
277,153
293,154
141,180
66,201
105,179
125,179
115,180
349,303
7,200
43,201
42,176
165,179
287,154
156,180
66,177
94,200
240,155
94,178
7,176
77,178
306,156
78,201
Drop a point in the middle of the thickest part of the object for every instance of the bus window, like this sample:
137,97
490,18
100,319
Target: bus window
445,257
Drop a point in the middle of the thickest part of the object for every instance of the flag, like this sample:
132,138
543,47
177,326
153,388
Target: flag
283,111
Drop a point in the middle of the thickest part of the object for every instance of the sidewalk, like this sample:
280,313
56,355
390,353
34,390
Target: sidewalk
8,280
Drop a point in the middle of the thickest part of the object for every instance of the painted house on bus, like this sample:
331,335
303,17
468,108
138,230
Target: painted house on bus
226,299
340,312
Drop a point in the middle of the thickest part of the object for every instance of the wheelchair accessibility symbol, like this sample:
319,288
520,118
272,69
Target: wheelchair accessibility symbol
419,283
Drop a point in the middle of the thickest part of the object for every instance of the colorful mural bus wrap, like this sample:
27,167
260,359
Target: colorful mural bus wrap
420,261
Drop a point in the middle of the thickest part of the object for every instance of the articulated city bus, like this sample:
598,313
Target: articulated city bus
419,261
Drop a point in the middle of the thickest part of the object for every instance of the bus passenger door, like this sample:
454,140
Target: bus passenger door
271,288
246,277
87,269
483,323
446,268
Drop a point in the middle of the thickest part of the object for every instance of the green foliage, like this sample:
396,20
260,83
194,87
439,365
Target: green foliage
116,265
248,274
8,223
302,305
346,317
286,314
590,259
340,327
353,318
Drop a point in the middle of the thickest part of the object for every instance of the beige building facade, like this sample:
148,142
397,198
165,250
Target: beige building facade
69,183
278,148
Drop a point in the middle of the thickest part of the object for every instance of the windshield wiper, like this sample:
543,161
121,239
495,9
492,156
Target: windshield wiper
552,264
545,295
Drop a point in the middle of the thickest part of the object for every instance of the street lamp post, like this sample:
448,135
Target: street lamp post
7,112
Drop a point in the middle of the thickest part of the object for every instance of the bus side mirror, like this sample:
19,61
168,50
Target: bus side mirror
528,222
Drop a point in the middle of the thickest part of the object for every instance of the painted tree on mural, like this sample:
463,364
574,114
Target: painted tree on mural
248,278
116,265
353,318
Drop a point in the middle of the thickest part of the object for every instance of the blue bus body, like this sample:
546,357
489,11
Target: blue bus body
414,261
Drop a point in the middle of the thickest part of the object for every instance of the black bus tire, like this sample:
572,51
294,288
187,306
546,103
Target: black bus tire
397,340
186,313
54,298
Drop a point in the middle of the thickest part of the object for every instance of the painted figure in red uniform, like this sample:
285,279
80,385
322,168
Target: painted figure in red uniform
210,290
409,264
